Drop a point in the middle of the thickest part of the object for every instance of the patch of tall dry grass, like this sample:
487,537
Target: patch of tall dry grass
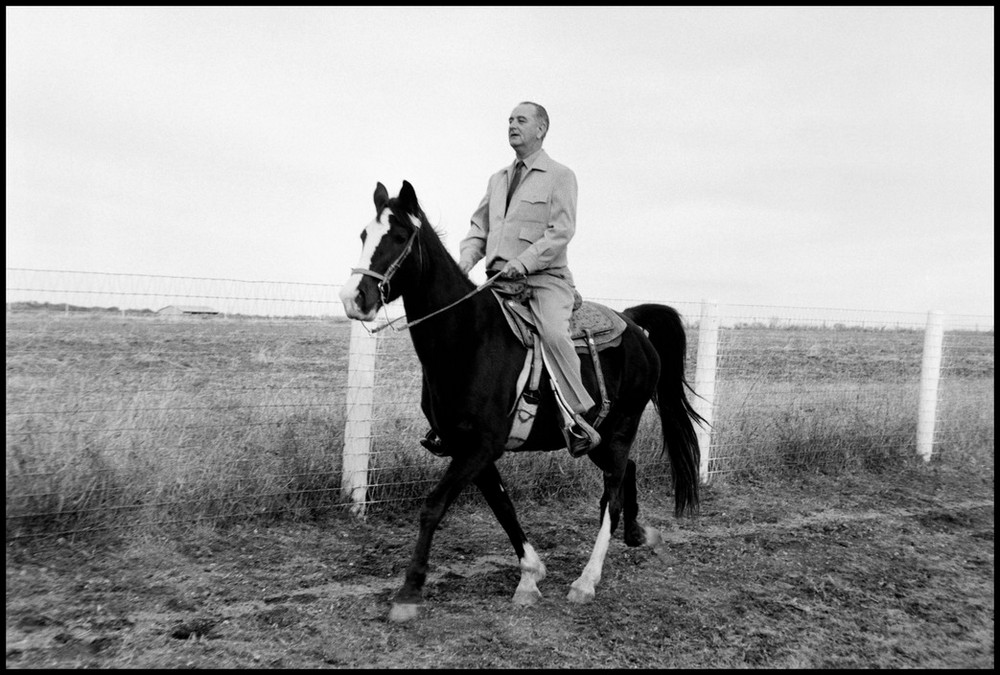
134,423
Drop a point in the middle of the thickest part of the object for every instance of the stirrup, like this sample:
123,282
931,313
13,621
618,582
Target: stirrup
581,438
432,442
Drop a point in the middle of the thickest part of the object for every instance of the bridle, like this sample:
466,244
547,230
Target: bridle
384,286
384,280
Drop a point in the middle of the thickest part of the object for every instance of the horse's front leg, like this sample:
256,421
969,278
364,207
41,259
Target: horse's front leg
532,568
460,473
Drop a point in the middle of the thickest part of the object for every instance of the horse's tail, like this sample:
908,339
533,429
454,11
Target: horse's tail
666,332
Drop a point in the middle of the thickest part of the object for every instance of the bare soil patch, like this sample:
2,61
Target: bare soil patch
893,570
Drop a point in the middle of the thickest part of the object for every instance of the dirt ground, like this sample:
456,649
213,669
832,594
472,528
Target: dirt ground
888,571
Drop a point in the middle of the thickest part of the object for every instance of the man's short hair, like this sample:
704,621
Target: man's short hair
542,114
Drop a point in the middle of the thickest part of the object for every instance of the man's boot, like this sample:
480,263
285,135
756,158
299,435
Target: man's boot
433,444
581,438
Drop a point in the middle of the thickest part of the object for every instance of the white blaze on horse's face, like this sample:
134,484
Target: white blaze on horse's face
374,232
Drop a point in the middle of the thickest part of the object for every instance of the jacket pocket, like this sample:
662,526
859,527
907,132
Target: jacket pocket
533,208
532,232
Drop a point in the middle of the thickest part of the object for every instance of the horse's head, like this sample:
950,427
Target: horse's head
386,243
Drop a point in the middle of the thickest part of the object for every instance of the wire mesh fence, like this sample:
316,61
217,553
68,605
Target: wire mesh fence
121,416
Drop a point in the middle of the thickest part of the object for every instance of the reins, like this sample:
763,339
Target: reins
483,286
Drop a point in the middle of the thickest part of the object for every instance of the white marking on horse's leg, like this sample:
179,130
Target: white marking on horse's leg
653,536
532,571
582,590
401,613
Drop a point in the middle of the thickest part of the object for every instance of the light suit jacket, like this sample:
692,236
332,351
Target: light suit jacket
538,225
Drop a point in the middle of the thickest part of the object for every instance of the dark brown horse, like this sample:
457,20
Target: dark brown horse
471,361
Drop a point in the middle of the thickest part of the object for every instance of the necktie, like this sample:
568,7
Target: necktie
514,181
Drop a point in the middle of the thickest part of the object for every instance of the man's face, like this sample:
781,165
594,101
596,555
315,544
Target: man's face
524,130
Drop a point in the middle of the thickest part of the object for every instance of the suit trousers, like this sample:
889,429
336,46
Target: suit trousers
552,306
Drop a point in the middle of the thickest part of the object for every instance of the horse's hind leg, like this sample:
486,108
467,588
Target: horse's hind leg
612,458
635,534
582,590
532,569
619,498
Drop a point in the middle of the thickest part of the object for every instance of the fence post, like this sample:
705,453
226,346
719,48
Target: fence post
704,379
930,376
358,427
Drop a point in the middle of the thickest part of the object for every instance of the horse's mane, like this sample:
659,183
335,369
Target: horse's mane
439,232
430,237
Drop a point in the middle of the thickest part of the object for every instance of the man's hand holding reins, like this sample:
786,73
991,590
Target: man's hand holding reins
513,270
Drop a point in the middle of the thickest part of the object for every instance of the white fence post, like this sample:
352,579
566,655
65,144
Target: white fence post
358,427
930,376
704,379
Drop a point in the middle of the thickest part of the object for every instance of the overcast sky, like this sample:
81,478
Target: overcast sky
802,157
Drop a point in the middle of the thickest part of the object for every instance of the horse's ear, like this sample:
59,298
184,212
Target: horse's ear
381,198
408,199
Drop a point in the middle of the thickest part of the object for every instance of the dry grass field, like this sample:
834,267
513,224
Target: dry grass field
173,501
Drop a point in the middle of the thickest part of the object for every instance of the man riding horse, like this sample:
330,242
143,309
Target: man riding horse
522,228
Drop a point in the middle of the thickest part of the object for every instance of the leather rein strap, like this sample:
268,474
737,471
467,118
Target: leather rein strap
483,286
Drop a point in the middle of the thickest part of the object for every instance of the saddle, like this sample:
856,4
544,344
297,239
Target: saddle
593,328
591,322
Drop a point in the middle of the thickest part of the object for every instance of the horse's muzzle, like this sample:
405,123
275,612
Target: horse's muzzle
354,300
352,312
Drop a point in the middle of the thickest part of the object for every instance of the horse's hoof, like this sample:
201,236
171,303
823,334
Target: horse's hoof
401,613
527,598
580,596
